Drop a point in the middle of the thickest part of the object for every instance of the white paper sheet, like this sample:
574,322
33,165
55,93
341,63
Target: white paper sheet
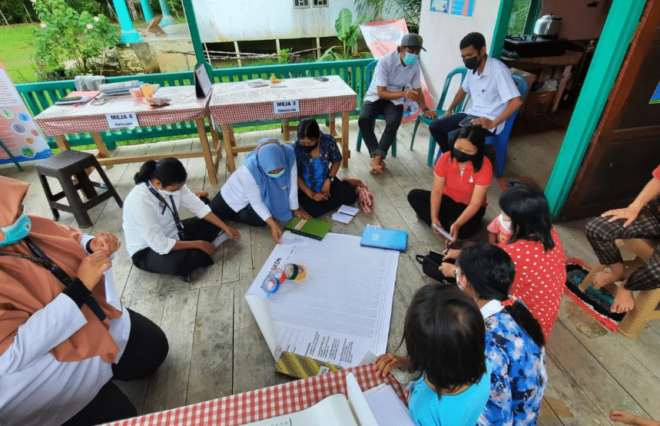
340,311
352,211
388,409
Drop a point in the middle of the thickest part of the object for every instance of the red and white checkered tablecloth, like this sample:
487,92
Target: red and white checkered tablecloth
184,106
237,102
265,403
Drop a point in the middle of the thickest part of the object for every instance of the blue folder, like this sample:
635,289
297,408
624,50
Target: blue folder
384,238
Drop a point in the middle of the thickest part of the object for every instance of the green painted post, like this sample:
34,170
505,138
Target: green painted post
167,14
612,47
146,9
128,32
194,33
501,28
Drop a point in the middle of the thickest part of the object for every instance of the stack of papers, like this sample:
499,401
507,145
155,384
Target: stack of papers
119,89
387,408
345,214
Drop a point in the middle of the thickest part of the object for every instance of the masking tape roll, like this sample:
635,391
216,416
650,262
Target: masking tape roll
295,272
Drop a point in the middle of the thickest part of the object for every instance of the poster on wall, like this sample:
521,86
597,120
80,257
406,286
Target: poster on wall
461,8
17,129
384,37
655,99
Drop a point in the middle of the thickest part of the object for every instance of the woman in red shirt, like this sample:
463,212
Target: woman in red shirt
457,201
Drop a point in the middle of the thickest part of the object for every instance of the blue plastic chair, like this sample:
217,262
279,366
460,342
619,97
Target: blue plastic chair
369,75
501,141
462,71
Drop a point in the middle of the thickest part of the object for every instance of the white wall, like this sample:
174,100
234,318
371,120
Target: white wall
229,20
442,35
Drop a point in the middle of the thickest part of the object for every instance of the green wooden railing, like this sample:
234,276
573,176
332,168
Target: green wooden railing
39,96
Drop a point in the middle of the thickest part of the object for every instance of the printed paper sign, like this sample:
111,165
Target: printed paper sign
284,107
655,99
122,120
17,130
462,8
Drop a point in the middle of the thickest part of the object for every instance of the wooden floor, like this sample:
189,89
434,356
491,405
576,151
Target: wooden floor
216,348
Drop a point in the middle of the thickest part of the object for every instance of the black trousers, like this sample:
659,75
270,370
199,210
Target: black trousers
341,192
247,216
450,210
441,128
180,262
368,114
145,351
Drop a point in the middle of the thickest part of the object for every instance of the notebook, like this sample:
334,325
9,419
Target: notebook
312,228
85,95
345,214
302,367
384,238
387,408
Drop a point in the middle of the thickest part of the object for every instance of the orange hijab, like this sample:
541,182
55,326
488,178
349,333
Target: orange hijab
26,287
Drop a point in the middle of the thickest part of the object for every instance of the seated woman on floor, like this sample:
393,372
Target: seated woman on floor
641,219
457,201
537,254
318,160
156,238
514,339
263,189
445,340
64,334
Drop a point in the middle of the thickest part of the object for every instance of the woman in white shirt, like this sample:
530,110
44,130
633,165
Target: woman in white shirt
64,334
263,189
156,238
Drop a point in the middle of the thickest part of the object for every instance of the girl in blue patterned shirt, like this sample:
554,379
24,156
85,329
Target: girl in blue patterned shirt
444,334
514,340
318,159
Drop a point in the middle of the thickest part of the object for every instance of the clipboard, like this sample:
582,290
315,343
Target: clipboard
203,84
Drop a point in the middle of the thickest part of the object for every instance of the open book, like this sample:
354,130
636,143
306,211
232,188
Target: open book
337,410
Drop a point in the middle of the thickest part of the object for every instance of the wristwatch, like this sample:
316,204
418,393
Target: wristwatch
456,273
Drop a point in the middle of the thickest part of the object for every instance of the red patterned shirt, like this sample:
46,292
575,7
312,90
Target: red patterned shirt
540,278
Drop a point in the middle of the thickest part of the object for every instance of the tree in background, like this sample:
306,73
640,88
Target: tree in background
348,33
20,11
67,34
410,10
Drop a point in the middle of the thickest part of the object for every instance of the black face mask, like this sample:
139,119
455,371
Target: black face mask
308,148
472,63
461,156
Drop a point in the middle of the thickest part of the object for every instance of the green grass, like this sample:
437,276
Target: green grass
16,51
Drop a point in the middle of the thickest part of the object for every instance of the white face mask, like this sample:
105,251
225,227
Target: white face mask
505,223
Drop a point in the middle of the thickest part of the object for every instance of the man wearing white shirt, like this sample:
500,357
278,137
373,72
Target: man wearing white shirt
494,94
397,77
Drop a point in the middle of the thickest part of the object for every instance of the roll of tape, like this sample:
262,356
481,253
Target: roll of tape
295,272
273,281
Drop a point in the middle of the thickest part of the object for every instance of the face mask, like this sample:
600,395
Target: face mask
472,63
168,193
410,58
276,175
16,231
461,156
308,148
505,223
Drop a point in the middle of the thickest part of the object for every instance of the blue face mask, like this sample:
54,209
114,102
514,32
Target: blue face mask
410,58
276,175
16,231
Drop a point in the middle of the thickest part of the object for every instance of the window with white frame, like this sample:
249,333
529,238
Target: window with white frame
320,3
300,3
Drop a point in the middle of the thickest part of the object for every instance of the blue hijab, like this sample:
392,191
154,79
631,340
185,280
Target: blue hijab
274,192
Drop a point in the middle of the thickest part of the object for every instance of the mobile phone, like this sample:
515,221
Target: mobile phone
467,121
99,101
321,78
444,233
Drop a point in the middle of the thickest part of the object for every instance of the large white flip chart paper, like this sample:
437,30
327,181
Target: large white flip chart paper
340,311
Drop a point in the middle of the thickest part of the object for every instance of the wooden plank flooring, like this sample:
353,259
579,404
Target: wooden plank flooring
216,348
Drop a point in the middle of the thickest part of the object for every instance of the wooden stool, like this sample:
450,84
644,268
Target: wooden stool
646,303
64,167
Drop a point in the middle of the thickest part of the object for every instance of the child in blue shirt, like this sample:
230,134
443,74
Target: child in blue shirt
445,338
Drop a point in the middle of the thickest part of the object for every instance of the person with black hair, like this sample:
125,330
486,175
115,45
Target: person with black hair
398,76
318,160
514,339
492,89
156,238
537,253
457,202
445,340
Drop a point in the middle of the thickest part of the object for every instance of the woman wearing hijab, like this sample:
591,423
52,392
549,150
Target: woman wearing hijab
64,333
264,189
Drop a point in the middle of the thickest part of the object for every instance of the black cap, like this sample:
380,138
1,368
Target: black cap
413,41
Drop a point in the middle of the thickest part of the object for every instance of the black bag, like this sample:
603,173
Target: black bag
430,264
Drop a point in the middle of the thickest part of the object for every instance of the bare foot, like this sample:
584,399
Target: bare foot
604,278
624,301
378,166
